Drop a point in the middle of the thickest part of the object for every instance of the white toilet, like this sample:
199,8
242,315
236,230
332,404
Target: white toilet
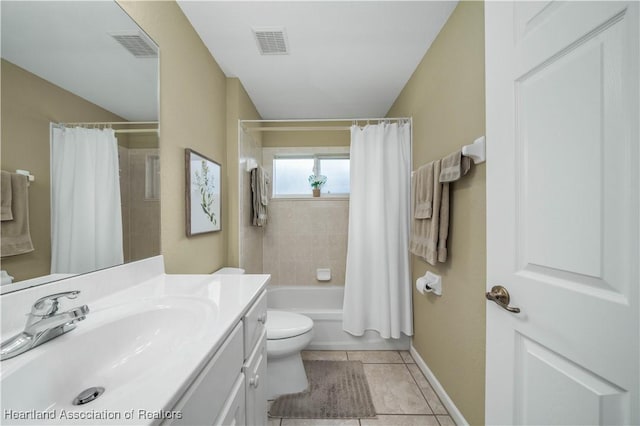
288,333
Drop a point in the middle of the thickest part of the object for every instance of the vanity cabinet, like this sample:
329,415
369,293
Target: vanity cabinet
197,340
232,389
254,323
233,412
255,365
208,396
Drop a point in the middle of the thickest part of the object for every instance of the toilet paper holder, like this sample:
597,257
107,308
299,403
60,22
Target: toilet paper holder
432,283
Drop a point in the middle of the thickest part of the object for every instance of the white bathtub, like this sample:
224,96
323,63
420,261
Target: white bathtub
323,304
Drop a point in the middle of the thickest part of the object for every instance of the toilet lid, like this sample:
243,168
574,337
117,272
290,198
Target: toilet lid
283,324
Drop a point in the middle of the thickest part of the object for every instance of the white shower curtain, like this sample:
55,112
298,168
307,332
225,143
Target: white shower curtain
86,216
378,282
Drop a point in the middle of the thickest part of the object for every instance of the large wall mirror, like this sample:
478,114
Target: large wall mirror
80,114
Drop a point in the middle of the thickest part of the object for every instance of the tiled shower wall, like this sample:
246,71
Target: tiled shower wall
123,160
303,235
140,216
144,214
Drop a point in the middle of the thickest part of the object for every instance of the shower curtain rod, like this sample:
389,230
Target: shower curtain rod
107,123
117,123
295,129
312,128
135,130
320,120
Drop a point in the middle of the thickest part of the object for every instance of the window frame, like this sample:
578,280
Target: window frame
316,154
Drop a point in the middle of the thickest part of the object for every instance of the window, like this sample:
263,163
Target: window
152,177
336,169
291,173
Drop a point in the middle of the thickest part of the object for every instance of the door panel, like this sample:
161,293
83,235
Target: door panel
562,212
549,388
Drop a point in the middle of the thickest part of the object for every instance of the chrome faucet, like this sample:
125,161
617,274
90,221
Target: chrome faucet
43,324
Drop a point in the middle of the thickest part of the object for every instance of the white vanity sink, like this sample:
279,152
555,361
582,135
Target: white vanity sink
144,345
112,349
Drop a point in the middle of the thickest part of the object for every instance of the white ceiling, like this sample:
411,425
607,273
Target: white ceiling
347,59
67,43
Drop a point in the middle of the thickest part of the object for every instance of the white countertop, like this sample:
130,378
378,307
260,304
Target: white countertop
204,308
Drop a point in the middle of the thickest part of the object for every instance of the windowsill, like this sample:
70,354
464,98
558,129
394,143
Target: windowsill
323,197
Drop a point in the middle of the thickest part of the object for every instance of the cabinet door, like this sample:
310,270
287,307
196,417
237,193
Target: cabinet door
254,324
203,401
255,370
233,413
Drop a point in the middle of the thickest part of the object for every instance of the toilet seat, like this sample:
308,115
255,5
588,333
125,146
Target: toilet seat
285,325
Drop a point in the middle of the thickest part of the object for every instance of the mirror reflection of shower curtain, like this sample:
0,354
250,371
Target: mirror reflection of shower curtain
377,293
86,216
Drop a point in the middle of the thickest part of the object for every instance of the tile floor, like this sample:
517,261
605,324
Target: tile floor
401,394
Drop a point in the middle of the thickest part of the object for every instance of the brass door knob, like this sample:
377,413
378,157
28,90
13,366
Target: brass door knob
500,295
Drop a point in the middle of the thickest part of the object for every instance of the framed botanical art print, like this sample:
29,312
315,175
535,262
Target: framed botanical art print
202,193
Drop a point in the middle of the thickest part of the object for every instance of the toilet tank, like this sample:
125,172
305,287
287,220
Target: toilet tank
229,271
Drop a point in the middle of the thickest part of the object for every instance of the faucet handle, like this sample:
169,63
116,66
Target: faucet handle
48,305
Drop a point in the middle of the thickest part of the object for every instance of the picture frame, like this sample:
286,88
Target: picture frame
203,196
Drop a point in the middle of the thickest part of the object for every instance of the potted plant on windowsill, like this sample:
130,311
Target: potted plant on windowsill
316,181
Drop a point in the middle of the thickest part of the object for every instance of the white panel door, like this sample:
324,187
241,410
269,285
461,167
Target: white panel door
563,94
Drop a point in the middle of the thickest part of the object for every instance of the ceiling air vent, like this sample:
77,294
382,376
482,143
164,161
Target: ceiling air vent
137,43
271,40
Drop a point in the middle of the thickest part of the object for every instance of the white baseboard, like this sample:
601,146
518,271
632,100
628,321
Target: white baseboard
455,414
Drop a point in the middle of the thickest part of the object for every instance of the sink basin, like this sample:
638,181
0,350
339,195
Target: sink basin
124,341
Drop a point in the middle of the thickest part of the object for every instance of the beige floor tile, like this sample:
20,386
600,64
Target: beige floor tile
446,421
400,421
375,357
427,390
406,357
324,356
273,421
394,391
320,422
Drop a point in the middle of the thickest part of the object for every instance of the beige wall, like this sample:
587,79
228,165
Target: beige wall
445,96
192,115
239,107
29,104
272,139
142,140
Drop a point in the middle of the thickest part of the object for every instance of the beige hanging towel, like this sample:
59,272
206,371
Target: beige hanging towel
263,186
443,232
454,166
15,235
426,232
422,192
5,197
259,195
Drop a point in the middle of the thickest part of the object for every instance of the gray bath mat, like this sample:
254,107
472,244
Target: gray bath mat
337,390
